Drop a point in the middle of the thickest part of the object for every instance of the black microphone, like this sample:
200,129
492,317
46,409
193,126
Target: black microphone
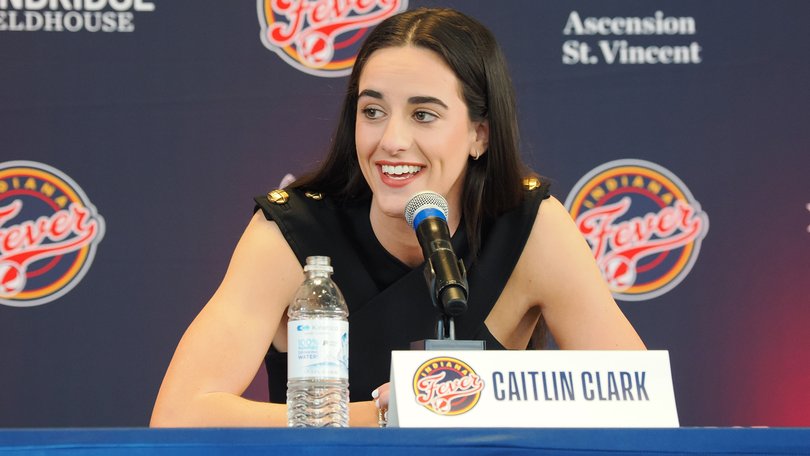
426,212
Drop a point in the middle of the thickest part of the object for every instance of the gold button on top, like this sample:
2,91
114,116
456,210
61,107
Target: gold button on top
317,196
531,183
279,196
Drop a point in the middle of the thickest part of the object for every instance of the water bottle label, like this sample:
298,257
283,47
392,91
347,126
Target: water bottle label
318,349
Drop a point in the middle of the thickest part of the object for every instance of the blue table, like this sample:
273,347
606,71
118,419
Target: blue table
393,442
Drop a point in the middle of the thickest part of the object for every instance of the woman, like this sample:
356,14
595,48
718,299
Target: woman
429,106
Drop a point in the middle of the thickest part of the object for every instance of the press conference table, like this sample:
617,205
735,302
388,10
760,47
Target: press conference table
446,442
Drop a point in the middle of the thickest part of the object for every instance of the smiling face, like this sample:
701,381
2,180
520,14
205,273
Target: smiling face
413,131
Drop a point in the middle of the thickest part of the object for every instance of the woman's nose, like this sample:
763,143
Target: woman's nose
396,137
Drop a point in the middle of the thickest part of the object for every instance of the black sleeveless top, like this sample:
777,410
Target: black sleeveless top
389,302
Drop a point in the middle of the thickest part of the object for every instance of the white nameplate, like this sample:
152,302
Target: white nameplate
559,388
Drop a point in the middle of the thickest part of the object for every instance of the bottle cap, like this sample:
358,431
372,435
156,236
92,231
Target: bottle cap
318,263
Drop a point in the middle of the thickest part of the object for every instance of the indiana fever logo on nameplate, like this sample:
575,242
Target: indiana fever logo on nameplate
321,38
49,232
642,223
447,386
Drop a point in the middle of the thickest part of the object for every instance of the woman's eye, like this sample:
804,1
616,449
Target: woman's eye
424,116
372,113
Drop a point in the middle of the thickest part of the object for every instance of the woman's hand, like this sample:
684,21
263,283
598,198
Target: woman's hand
380,396
370,413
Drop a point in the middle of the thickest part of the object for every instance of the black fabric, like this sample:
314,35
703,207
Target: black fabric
389,303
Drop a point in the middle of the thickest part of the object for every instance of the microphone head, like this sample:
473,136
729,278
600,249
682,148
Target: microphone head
425,204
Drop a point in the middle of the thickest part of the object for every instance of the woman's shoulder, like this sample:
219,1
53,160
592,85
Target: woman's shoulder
535,191
284,202
553,221
311,222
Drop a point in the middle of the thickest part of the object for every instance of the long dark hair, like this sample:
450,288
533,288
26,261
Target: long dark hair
493,183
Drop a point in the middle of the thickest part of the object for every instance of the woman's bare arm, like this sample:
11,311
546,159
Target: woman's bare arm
574,298
224,346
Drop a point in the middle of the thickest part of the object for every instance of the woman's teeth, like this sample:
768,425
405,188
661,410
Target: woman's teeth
400,171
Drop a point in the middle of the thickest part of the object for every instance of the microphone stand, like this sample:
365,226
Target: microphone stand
445,325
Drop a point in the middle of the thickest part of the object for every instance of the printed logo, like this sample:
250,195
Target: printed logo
642,223
664,48
323,37
71,15
447,386
49,232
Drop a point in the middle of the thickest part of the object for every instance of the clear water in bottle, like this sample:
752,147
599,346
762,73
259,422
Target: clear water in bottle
318,351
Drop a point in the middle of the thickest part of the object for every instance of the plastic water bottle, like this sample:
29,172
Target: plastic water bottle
318,351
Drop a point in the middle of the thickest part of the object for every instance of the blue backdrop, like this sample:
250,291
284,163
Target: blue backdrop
166,117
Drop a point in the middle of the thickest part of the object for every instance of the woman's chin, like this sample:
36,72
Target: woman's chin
391,207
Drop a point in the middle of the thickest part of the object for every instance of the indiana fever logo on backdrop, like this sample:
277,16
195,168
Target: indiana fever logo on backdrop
321,37
447,386
642,223
48,233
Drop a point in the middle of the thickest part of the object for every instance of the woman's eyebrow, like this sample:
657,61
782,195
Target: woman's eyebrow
412,100
370,93
425,99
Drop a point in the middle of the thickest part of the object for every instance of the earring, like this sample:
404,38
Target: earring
476,154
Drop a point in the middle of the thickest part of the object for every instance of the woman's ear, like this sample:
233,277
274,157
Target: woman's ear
482,136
